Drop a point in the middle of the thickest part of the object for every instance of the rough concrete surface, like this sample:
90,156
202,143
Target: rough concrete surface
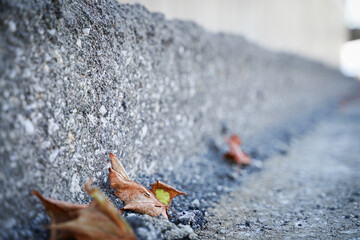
313,192
80,79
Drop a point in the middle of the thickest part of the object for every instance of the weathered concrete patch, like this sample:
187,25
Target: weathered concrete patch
80,80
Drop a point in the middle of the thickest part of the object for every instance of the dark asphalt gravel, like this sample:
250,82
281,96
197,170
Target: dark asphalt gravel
312,192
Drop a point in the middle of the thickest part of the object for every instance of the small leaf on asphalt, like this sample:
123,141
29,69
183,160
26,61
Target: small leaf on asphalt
235,153
164,192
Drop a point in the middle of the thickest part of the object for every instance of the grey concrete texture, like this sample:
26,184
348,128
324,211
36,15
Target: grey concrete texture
80,79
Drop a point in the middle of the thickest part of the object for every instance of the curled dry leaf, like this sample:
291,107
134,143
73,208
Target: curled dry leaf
138,198
59,212
135,196
98,220
235,153
164,192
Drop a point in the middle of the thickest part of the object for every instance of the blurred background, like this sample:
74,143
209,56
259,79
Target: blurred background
322,30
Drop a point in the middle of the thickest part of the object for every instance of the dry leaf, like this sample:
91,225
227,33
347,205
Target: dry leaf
59,212
236,154
138,198
135,196
99,220
164,192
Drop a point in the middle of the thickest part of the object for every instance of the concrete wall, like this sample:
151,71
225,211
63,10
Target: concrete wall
81,79
314,29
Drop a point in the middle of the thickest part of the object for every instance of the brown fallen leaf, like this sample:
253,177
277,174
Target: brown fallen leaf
138,198
165,193
160,189
59,212
235,153
135,196
98,220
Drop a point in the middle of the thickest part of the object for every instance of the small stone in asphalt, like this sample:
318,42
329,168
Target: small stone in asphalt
194,218
195,203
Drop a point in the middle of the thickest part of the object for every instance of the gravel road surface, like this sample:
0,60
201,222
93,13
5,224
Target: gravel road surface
312,192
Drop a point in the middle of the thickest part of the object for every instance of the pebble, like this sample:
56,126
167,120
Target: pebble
196,203
53,155
183,231
102,110
41,31
58,57
12,26
143,131
78,43
27,124
53,127
52,31
75,184
194,218
86,31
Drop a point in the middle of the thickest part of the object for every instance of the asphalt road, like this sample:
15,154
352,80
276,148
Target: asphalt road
312,192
